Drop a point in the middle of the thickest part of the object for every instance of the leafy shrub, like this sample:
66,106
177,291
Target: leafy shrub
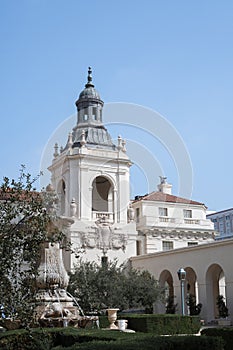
99,287
163,324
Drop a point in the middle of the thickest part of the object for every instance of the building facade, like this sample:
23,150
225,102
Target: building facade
208,274
223,223
165,221
91,176
158,232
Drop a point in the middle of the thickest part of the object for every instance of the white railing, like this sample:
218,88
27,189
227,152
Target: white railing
165,219
192,221
96,215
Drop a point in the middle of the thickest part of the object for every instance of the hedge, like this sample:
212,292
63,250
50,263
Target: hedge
163,324
71,339
152,343
225,333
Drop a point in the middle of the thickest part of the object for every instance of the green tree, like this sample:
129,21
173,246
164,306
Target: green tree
26,221
109,285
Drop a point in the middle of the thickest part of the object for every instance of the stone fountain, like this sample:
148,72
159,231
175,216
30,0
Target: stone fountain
55,306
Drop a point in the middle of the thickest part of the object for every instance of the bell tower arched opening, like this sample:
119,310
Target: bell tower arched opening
102,197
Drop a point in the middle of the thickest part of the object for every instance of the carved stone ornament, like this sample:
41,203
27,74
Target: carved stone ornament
51,270
104,237
130,214
73,208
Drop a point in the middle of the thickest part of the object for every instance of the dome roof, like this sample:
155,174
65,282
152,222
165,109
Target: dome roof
89,91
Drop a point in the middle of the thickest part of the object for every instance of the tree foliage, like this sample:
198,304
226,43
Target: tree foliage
99,287
25,216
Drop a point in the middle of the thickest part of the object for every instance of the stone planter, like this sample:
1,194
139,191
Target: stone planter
112,317
122,325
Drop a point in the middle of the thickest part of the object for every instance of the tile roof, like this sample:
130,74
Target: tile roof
164,197
11,193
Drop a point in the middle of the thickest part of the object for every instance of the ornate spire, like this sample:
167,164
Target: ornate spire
89,78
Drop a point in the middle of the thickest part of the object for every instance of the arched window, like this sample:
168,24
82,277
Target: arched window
102,195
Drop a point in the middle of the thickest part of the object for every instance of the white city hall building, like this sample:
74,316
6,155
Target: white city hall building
91,179
159,232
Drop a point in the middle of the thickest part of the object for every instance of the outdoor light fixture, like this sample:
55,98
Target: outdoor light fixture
182,276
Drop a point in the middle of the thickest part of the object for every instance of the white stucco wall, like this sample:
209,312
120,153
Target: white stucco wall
201,259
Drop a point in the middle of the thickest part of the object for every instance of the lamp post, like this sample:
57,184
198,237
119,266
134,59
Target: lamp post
182,275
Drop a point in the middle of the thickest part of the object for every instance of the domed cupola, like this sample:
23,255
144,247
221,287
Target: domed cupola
89,128
89,104
89,91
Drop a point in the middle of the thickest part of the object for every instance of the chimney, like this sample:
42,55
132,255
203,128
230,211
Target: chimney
164,187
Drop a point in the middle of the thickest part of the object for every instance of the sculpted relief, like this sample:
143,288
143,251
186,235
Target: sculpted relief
104,237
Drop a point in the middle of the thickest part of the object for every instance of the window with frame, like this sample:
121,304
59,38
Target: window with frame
228,227
221,225
163,212
137,214
190,244
167,245
85,114
187,213
94,113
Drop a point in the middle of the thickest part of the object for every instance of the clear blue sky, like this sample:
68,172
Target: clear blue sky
175,57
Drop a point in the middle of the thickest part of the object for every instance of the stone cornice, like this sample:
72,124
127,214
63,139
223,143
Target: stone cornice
179,234
211,245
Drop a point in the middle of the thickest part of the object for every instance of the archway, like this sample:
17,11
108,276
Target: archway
215,285
191,291
102,195
191,282
166,282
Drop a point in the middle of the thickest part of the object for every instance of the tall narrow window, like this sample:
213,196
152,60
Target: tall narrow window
85,116
139,247
94,113
137,214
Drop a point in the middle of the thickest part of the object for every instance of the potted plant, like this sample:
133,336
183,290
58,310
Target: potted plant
194,309
170,305
222,311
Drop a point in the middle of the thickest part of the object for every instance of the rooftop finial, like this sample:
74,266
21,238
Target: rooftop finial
89,78
163,180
